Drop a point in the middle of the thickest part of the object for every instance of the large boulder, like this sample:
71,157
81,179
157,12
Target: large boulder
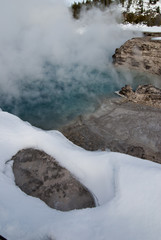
142,54
41,176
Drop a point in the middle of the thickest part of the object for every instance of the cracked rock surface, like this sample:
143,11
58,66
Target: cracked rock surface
41,176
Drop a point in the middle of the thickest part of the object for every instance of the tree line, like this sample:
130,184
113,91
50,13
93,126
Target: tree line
149,17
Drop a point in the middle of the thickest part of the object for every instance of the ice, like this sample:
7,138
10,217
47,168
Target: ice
127,191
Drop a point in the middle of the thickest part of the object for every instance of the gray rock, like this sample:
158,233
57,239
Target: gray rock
120,126
142,54
40,175
150,90
126,91
145,94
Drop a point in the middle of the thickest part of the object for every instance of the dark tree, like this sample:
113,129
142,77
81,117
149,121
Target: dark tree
158,9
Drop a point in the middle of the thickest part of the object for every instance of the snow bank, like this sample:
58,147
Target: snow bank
140,28
127,190
157,38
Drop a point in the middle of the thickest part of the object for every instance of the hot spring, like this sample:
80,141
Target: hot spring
50,103
54,68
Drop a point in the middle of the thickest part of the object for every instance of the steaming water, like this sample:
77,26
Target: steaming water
53,68
50,103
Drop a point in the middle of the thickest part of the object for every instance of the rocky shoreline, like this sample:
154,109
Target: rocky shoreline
144,94
142,54
120,125
132,124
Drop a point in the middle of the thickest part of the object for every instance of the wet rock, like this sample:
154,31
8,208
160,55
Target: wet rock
81,135
142,54
150,90
41,176
145,94
126,91
121,126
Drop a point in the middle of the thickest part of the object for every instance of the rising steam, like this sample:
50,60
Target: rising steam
43,47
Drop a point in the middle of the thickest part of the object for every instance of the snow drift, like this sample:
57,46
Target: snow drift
127,190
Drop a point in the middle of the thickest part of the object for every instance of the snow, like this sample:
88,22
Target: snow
70,2
127,191
157,38
141,28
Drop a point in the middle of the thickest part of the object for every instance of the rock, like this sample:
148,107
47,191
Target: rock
152,34
121,126
126,91
40,175
145,94
81,135
142,54
150,90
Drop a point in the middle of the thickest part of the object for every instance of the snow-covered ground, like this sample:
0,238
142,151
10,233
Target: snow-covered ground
127,189
157,38
140,28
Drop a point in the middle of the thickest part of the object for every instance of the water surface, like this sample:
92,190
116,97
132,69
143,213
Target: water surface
50,103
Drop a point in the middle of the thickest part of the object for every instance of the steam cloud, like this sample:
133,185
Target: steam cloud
36,32
39,40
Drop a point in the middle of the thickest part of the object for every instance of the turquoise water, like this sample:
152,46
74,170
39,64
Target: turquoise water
51,102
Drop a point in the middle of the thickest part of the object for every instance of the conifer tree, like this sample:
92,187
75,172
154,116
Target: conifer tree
158,9
122,2
129,4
